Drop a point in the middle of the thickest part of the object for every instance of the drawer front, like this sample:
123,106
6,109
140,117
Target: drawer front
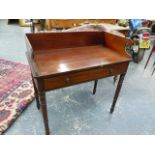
84,76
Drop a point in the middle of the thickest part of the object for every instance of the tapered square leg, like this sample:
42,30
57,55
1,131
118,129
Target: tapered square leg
95,86
115,78
36,94
119,85
43,106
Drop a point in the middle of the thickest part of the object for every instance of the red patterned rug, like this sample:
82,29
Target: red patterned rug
16,91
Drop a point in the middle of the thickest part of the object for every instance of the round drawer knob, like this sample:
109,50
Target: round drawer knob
67,80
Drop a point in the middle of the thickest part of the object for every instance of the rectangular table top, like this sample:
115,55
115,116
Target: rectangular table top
71,59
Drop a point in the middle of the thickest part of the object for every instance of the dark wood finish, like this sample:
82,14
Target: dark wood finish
43,105
36,94
44,111
95,86
96,82
63,59
119,85
41,42
115,78
83,76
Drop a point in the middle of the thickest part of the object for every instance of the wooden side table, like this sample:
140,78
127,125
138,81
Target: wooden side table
62,59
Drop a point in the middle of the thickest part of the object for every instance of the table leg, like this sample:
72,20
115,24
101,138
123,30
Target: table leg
95,86
36,94
119,85
115,78
44,111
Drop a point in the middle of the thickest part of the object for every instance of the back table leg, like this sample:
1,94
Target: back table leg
119,85
95,86
115,78
96,81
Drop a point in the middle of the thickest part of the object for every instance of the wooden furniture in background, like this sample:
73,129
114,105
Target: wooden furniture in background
62,59
37,23
68,23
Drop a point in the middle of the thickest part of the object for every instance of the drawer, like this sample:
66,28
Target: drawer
84,76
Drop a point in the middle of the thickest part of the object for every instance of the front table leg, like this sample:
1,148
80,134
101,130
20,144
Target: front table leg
44,111
119,85
36,93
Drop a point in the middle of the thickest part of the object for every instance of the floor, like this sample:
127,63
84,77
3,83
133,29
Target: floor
75,110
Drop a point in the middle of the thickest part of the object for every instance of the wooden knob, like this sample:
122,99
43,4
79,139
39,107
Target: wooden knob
67,80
